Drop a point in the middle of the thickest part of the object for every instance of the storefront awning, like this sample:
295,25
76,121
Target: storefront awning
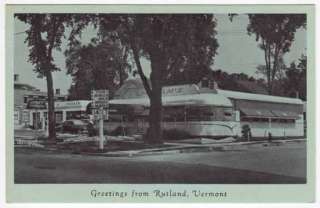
265,113
285,114
260,113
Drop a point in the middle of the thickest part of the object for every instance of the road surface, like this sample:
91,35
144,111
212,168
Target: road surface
278,164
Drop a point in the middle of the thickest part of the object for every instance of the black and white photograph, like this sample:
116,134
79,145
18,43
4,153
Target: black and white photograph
160,98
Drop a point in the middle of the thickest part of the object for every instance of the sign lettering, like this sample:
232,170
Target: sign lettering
100,98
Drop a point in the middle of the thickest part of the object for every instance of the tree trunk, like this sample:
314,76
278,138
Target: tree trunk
269,70
154,134
51,114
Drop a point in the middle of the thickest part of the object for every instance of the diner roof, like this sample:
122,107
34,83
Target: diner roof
258,97
193,99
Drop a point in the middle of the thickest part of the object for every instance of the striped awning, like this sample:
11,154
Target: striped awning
260,113
285,114
265,113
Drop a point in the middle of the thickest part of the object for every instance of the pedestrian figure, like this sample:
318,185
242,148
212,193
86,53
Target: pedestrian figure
269,137
45,124
90,127
246,132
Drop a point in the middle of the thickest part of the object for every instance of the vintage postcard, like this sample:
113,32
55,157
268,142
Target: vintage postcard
162,103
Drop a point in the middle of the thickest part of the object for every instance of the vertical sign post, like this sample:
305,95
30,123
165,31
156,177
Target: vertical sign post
100,100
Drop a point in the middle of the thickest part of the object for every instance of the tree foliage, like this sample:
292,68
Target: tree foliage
102,64
44,35
171,42
295,83
276,33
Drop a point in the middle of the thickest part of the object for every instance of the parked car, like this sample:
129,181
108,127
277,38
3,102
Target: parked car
76,126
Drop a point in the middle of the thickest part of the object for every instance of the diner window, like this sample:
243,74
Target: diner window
200,114
245,119
169,118
264,119
254,119
25,99
174,114
227,114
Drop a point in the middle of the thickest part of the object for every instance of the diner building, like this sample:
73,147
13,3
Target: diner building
205,110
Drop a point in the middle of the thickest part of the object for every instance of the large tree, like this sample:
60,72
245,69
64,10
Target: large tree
275,33
170,42
294,83
102,64
44,35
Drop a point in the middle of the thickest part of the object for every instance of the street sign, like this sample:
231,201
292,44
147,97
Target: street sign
97,114
100,98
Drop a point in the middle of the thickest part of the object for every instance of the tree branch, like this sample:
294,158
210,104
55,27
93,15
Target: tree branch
51,42
142,75
56,24
138,64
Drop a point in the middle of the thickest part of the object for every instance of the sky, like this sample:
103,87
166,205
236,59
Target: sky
238,52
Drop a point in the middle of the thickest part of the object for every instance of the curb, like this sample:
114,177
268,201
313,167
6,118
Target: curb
194,148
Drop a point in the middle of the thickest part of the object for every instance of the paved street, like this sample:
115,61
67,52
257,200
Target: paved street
288,159
277,164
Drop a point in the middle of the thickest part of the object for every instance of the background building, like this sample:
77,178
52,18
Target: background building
26,97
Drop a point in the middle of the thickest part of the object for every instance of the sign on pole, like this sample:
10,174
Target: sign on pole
97,115
100,100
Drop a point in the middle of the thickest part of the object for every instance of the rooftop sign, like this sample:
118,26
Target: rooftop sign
180,90
72,104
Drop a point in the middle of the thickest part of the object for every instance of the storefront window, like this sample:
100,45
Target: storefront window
76,115
58,116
